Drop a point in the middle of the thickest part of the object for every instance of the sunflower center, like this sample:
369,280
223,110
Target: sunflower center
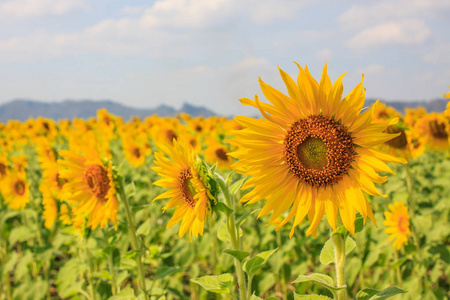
170,134
60,181
438,130
402,224
98,181
222,154
318,150
312,153
186,187
19,187
2,169
136,152
399,142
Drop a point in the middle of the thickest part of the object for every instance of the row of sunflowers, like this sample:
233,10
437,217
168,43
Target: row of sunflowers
81,202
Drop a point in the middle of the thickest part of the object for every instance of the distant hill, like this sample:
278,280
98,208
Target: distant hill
435,105
24,109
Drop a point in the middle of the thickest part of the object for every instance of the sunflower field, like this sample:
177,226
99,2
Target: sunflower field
318,198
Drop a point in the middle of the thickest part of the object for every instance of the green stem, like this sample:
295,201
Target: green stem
112,270
133,238
412,201
89,274
339,260
249,287
398,273
233,230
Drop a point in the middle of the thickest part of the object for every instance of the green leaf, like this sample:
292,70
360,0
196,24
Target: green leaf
242,218
310,297
125,294
165,271
144,229
253,297
238,254
255,263
367,294
215,284
359,223
327,253
222,233
321,279
224,208
234,189
130,189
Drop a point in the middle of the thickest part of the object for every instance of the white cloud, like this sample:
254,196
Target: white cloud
36,8
324,54
390,10
405,32
169,28
439,54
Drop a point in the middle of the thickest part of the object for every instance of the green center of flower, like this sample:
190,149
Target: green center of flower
319,150
312,153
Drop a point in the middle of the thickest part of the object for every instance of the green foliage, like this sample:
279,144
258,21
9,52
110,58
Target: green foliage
215,284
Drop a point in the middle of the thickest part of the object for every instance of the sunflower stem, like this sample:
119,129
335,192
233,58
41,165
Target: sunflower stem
412,202
233,231
339,260
133,238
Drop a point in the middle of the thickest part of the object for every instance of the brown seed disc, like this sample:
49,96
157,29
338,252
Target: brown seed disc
98,181
399,142
185,187
438,130
318,150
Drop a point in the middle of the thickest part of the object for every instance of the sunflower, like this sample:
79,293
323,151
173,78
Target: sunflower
397,223
217,153
15,190
90,188
434,129
188,189
313,154
135,150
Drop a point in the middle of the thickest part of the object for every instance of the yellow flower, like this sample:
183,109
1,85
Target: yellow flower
217,153
15,190
434,129
397,222
187,190
135,150
90,188
313,153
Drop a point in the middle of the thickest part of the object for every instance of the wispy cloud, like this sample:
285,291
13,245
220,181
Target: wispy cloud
404,32
13,9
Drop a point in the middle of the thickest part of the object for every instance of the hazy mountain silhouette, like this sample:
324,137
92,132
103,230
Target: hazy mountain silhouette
24,109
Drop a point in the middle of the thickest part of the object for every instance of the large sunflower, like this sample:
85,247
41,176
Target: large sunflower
187,189
397,223
90,188
313,153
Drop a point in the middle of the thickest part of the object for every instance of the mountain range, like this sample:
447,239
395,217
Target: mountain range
22,110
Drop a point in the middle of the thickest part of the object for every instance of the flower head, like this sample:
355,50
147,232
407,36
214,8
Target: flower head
188,190
313,153
397,223
89,187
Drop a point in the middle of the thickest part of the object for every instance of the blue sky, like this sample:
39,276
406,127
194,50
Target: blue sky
211,52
